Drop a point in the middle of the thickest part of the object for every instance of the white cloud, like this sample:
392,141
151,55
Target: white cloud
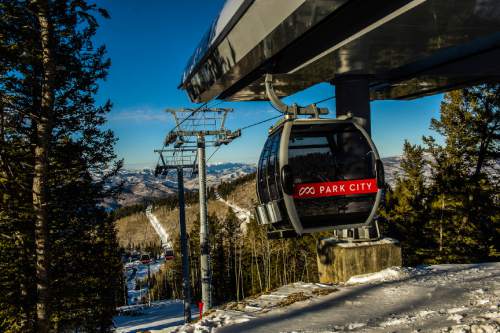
140,115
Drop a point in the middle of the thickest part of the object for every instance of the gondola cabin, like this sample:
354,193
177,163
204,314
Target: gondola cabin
145,259
317,175
169,254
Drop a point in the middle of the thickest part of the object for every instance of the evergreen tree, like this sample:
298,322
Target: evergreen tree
58,247
454,215
406,210
465,174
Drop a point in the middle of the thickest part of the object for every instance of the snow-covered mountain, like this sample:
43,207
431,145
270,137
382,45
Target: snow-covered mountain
392,167
139,185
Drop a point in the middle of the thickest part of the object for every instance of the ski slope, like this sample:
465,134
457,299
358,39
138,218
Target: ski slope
440,298
242,214
164,236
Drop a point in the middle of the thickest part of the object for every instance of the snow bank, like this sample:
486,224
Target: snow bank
219,319
240,312
385,240
388,274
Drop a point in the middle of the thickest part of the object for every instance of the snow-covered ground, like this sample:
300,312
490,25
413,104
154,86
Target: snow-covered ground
162,233
157,317
441,298
136,271
242,214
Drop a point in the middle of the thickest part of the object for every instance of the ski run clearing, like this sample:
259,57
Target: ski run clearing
440,298
243,215
164,236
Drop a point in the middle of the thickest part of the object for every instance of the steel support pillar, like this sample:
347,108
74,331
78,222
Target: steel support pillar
186,281
204,241
353,95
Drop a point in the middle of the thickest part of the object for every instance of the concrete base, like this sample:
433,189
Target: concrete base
338,261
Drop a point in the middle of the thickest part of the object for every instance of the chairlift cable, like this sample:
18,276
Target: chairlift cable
215,151
218,103
255,124
324,100
261,122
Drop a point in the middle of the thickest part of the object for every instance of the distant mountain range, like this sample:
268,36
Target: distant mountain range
139,185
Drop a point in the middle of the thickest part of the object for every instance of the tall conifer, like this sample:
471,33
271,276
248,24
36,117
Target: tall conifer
57,245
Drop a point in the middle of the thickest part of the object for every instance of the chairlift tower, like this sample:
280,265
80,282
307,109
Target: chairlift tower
180,159
201,127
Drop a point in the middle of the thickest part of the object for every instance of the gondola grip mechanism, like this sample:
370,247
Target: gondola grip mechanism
292,110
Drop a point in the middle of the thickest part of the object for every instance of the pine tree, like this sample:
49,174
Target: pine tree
406,211
465,174
453,216
51,145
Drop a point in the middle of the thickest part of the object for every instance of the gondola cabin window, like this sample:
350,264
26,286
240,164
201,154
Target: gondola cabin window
273,168
267,178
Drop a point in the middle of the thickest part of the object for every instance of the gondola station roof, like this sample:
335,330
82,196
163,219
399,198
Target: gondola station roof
408,48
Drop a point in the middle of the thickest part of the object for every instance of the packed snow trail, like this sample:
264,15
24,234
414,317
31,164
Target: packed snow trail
242,214
164,236
440,298
159,316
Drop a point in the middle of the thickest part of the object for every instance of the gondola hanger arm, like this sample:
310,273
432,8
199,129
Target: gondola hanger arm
294,109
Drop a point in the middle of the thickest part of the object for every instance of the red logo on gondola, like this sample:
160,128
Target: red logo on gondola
330,189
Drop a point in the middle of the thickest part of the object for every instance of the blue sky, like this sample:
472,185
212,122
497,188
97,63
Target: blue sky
149,43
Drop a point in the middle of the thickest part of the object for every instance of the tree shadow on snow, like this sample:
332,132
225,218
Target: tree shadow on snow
272,322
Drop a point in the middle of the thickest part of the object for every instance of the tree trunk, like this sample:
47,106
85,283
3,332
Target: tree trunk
39,189
483,148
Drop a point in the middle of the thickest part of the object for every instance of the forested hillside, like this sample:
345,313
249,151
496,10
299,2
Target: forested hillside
243,264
